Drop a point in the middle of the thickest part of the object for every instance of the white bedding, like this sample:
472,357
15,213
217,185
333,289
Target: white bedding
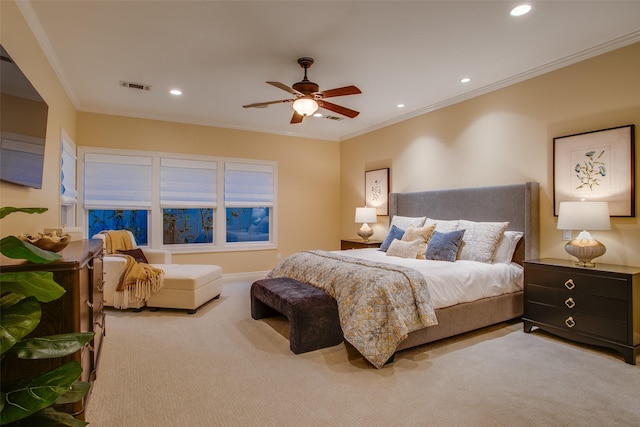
452,283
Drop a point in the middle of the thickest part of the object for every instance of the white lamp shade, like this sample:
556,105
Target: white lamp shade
584,216
305,106
364,215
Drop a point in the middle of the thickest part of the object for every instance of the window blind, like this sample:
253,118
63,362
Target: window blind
248,184
114,181
188,183
68,192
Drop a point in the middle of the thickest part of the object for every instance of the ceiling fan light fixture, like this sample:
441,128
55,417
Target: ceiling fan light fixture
305,106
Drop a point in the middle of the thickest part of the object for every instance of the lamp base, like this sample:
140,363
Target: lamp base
365,232
585,250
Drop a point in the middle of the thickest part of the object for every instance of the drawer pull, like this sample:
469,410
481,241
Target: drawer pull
570,322
90,304
569,284
569,302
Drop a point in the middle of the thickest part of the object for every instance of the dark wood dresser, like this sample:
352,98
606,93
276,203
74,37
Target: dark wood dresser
80,309
598,306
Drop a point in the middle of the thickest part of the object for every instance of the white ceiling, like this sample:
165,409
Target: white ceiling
221,53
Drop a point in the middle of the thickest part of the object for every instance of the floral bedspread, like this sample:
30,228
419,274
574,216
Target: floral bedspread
379,304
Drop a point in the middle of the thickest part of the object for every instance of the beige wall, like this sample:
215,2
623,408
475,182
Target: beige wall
506,137
18,40
308,178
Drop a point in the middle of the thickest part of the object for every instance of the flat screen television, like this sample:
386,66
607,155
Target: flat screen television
23,126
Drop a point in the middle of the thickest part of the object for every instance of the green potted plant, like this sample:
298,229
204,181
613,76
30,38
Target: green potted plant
29,401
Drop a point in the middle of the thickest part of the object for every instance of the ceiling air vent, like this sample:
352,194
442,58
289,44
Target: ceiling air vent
138,86
333,117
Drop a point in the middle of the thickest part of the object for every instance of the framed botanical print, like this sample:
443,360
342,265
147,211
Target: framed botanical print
596,166
376,185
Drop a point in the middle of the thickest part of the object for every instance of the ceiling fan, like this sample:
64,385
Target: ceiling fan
308,98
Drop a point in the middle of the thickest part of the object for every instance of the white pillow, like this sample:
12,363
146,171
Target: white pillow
405,221
403,249
443,226
506,247
480,239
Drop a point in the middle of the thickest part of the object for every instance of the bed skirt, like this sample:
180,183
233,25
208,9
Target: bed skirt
467,317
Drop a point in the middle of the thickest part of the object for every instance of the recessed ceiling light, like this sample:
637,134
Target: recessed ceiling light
465,80
175,92
520,10
400,105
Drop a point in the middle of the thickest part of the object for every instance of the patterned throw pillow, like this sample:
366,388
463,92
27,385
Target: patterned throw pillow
422,233
480,239
394,233
403,249
444,246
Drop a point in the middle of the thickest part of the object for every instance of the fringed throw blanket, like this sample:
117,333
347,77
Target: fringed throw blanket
379,304
139,279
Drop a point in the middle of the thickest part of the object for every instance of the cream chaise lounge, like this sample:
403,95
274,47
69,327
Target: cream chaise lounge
185,286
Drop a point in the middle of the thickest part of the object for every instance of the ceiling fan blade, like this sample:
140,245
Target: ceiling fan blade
286,88
338,109
297,118
341,91
264,104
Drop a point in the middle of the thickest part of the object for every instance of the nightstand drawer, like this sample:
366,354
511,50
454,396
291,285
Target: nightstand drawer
358,244
576,321
594,284
577,301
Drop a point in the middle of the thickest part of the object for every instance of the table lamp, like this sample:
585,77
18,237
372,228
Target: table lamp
365,215
584,216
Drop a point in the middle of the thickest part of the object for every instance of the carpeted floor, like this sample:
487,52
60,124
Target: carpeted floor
219,367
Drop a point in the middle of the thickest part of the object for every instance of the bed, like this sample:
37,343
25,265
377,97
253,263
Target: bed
516,204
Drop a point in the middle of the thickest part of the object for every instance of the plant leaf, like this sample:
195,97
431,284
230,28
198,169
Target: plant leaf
77,391
6,210
51,346
39,393
12,247
17,321
49,417
39,284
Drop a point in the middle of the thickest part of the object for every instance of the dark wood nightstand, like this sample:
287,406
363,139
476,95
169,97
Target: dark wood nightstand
358,244
598,306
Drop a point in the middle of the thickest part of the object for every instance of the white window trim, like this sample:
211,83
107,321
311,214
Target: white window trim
155,214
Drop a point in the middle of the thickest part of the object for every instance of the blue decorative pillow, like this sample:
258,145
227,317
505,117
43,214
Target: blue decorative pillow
444,246
394,233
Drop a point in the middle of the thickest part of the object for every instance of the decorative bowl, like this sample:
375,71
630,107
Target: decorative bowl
53,243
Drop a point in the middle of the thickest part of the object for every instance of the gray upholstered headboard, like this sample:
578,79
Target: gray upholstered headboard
519,204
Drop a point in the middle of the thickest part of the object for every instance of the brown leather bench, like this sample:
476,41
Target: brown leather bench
312,313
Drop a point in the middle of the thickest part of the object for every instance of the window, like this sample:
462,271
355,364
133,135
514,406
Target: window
188,194
186,226
136,221
248,196
117,193
179,202
247,224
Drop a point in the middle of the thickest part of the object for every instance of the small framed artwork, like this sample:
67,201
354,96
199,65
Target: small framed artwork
597,166
376,185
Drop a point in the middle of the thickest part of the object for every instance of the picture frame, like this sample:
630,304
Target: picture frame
597,166
376,185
